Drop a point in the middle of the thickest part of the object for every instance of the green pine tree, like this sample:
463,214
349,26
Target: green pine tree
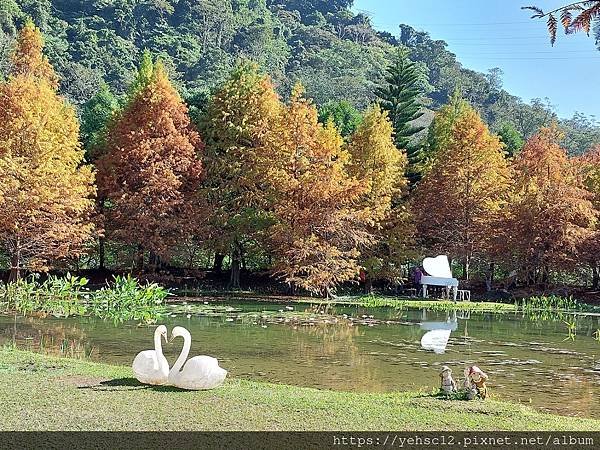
511,138
96,114
345,117
401,96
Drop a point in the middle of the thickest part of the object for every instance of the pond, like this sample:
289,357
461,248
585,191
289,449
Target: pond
352,348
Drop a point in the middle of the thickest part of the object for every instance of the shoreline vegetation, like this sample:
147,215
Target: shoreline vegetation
93,396
126,298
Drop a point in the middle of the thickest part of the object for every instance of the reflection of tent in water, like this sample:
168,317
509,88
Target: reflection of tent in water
437,337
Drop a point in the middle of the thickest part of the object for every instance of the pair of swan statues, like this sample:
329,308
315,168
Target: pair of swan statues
199,372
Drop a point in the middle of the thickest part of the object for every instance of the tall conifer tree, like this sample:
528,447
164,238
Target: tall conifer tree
238,126
319,231
402,96
588,166
552,213
46,193
460,200
151,172
96,117
379,166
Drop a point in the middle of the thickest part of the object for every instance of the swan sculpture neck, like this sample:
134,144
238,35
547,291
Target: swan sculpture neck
157,346
185,351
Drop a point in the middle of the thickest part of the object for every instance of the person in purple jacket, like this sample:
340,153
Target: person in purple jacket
417,274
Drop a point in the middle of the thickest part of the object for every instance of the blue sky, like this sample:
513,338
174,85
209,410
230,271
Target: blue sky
497,33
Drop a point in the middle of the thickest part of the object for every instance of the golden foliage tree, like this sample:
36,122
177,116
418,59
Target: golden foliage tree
28,58
440,131
552,213
459,202
377,163
46,194
238,128
589,170
380,168
319,231
151,172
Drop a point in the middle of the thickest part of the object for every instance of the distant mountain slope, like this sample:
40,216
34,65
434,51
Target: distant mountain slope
336,53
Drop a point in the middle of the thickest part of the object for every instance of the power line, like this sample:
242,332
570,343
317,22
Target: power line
492,39
498,38
488,24
534,58
592,54
491,44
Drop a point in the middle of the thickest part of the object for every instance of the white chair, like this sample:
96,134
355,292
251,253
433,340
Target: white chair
464,295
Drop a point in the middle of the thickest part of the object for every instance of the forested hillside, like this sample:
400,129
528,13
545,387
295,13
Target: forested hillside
336,53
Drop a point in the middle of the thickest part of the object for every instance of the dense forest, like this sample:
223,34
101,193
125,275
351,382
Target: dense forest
336,53
284,138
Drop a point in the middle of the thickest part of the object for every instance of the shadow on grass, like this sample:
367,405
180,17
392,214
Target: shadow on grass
461,395
129,384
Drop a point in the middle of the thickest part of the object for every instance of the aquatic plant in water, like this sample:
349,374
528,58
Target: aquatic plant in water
571,329
67,296
550,302
554,308
126,299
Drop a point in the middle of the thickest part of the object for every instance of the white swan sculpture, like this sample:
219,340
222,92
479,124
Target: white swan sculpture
150,366
200,372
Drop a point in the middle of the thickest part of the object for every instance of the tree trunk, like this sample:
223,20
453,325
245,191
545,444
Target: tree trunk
154,262
218,263
236,257
368,284
595,277
466,264
15,264
489,278
545,276
139,259
292,289
101,254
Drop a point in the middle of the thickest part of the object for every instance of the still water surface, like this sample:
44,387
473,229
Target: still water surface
345,349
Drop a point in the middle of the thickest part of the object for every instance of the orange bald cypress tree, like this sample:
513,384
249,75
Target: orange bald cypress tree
319,230
588,166
46,193
151,172
238,127
552,212
380,167
459,202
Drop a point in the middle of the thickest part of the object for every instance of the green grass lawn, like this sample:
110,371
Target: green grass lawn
44,393
358,300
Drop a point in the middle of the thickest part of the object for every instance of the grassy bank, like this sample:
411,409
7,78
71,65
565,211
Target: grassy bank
366,301
436,305
44,393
